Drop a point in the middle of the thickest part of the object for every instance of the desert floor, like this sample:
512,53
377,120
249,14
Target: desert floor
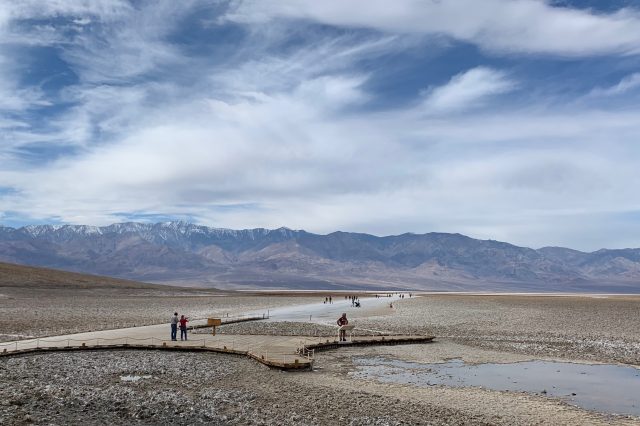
40,312
197,388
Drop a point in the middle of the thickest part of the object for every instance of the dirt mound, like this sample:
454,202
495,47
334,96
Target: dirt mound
12,275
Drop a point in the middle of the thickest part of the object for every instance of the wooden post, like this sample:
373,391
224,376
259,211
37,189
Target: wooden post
213,322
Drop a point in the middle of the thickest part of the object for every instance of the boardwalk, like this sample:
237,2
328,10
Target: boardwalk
284,352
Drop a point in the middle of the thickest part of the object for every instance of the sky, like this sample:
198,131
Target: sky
513,120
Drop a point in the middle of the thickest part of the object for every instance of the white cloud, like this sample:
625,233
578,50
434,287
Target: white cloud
103,40
376,172
13,15
106,43
256,72
625,85
467,90
527,26
105,9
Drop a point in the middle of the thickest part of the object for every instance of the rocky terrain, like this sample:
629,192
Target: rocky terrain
173,388
157,387
573,327
184,253
584,328
283,328
153,387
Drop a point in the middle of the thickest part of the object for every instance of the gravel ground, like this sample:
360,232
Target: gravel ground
48,312
281,328
198,388
576,328
583,328
86,388
474,404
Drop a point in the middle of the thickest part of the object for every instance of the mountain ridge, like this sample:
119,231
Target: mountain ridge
182,252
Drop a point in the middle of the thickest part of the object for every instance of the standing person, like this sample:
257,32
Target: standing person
343,321
330,300
183,327
174,326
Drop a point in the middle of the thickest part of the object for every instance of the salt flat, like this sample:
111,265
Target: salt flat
201,388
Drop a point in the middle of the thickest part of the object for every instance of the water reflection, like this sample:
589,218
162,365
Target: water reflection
606,388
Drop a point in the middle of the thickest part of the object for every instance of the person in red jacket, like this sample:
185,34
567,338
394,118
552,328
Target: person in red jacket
183,327
343,321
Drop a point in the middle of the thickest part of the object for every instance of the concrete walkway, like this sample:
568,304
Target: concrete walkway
284,352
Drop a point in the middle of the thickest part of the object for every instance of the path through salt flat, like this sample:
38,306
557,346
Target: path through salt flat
325,312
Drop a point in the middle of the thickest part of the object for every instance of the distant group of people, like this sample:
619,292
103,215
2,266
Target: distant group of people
328,300
400,295
355,301
179,322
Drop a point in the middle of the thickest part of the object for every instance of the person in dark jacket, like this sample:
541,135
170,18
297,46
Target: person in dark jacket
343,321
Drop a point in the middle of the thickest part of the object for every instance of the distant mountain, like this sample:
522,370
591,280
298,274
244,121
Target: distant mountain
179,252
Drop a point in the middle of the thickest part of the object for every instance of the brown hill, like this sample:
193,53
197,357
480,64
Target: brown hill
12,275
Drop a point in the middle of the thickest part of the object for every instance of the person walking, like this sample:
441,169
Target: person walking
174,326
183,327
343,321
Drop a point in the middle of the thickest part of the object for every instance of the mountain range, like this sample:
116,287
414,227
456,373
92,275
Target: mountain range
187,254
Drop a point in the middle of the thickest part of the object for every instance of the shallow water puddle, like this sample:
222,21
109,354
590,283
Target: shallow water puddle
606,388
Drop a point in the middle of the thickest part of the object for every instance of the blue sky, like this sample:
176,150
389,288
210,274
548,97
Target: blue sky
515,120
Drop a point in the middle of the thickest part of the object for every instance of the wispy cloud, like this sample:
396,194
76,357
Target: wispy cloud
523,26
13,97
627,84
467,90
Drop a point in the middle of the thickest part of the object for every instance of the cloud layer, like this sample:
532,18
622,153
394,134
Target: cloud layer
325,116
527,26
